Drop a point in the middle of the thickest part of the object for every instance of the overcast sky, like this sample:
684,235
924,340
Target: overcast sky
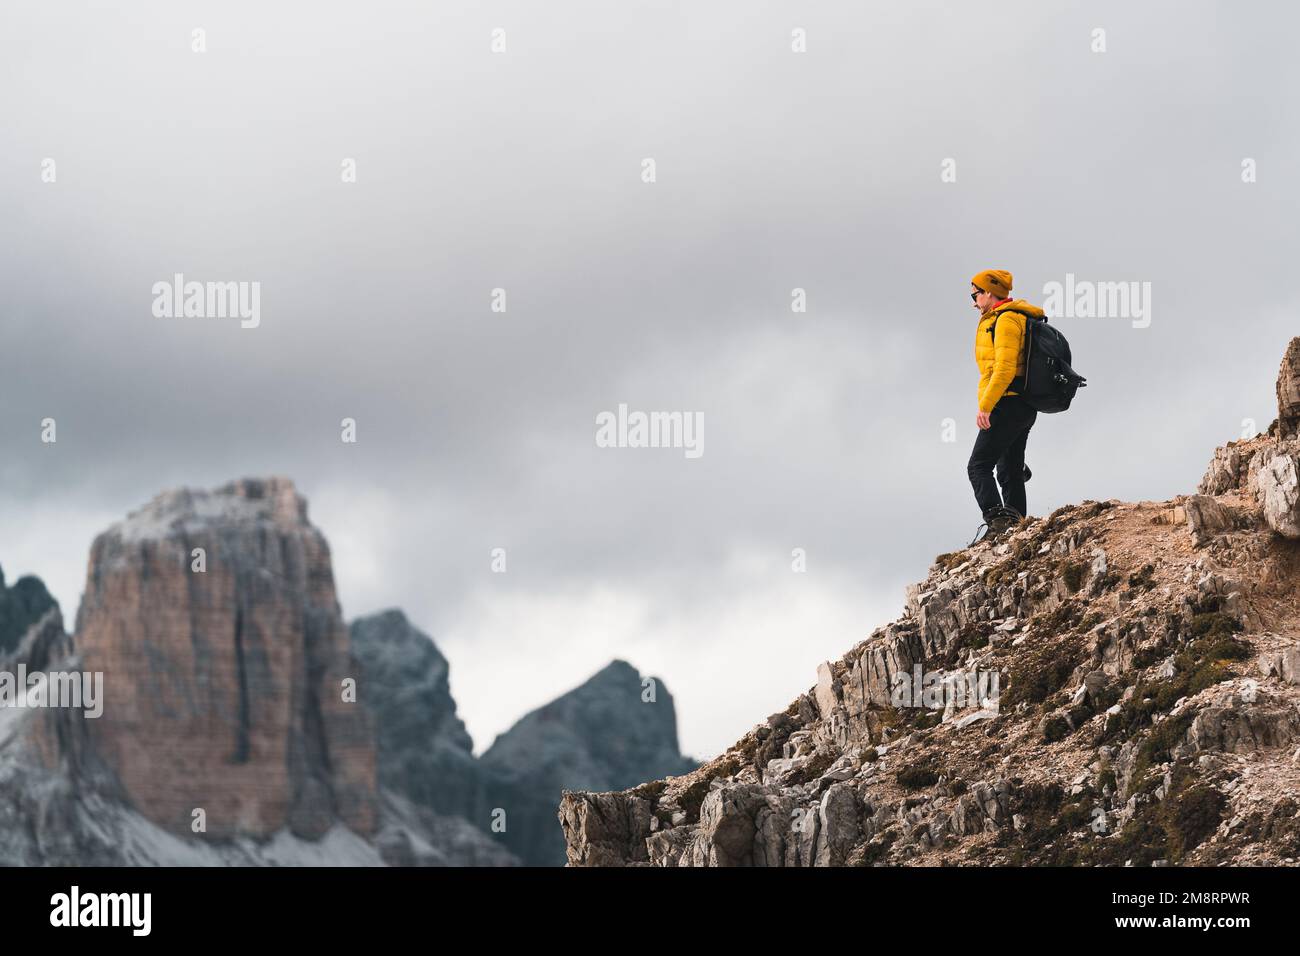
522,170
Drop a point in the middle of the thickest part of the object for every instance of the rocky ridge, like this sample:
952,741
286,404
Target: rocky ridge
1114,684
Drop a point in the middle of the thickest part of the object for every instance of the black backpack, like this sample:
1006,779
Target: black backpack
1048,384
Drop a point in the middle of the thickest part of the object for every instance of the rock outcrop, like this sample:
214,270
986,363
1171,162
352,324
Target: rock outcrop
214,618
424,752
1277,489
1288,392
1113,684
614,731
1267,467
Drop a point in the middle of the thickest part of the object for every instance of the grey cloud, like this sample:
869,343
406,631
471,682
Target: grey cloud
819,171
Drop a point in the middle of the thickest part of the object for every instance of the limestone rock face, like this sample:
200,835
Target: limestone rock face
224,686
1288,391
606,829
1267,468
1228,468
600,736
1277,489
748,825
1205,518
424,751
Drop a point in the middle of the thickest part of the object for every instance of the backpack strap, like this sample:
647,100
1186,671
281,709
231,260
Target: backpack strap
1020,382
1029,320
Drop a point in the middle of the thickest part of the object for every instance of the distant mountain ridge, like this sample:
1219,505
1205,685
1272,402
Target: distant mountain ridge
602,733
245,724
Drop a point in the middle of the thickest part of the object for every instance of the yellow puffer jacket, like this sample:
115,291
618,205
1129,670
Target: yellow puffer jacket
1001,358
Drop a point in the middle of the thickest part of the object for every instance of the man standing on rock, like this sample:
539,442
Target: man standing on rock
1004,417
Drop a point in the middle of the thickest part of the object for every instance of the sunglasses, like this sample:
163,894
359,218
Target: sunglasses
974,294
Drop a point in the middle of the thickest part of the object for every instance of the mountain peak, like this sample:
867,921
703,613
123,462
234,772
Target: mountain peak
230,667
611,731
274,501
617,672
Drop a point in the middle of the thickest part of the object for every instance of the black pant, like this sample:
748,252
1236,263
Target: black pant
1002,444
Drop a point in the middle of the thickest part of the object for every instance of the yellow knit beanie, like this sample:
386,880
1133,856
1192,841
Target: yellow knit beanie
994,281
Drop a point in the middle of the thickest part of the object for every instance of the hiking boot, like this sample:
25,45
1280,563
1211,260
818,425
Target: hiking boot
996,521
1002,519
